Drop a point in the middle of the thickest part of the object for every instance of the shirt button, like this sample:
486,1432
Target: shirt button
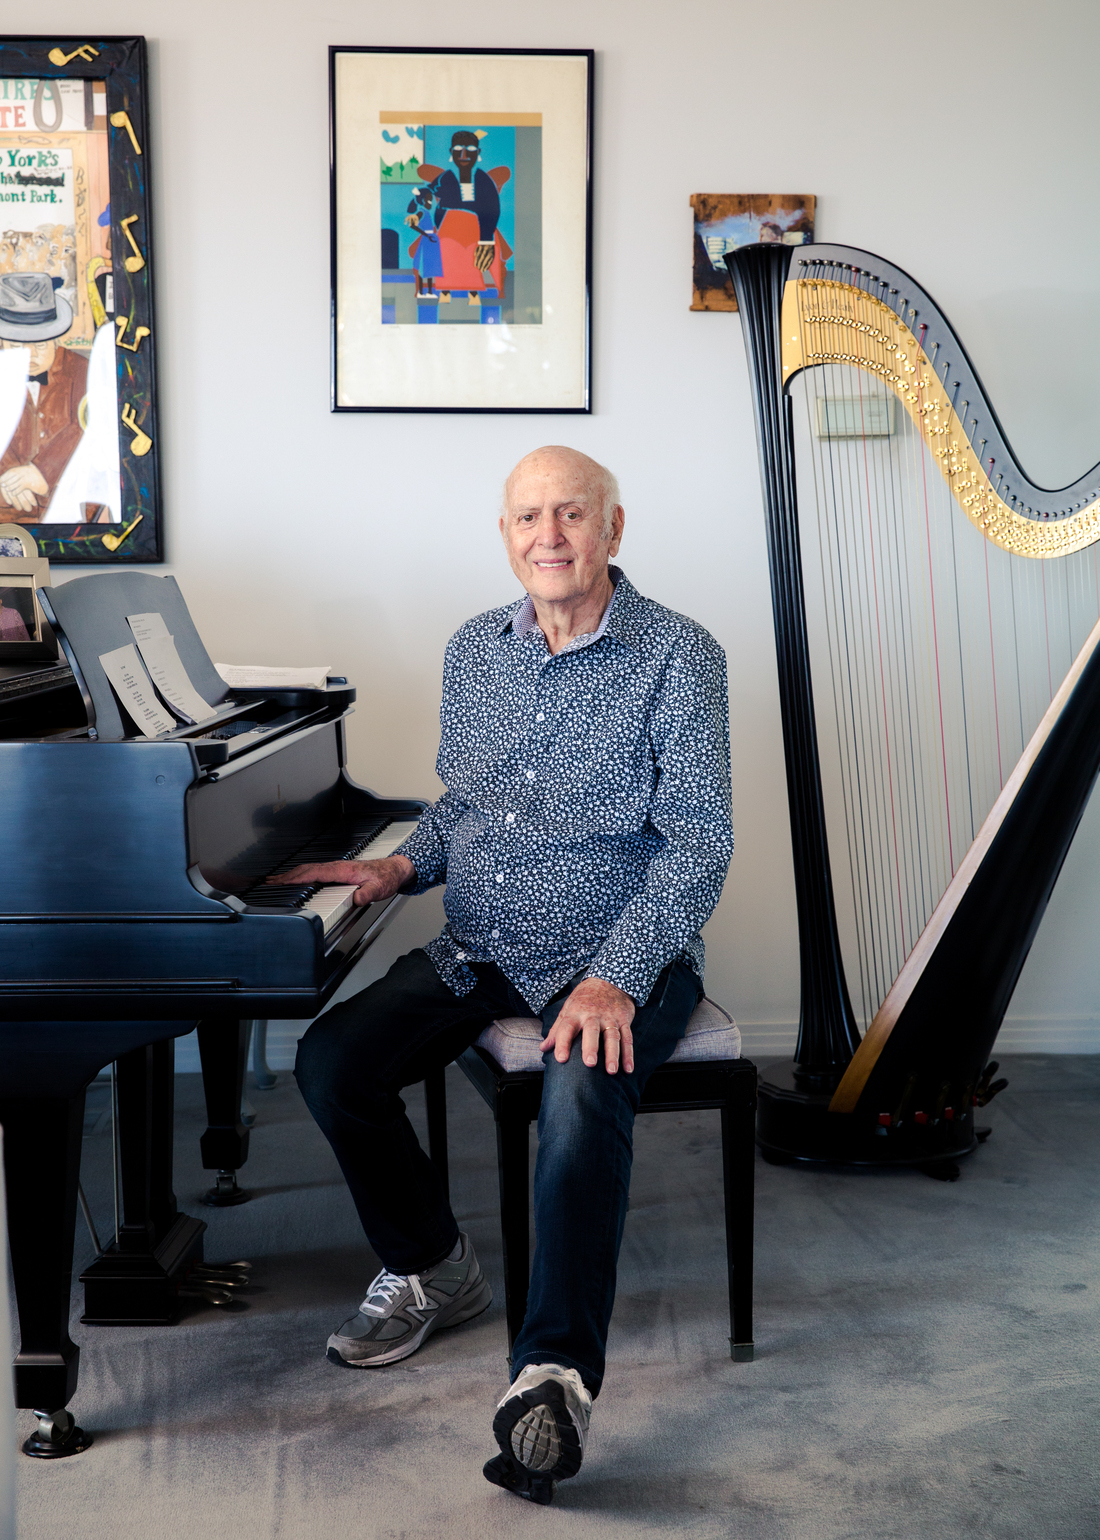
530,775
540,716
461,956
495,934
509,818
500,876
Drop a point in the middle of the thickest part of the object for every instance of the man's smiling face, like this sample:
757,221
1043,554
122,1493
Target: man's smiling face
554,526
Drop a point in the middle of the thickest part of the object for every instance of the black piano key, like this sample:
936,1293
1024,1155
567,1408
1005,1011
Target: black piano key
343,841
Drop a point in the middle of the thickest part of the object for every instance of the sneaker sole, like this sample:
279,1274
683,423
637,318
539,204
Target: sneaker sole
550,1395
466,1307
504,1471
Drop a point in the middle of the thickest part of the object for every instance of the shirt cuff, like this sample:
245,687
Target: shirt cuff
635,979
423,851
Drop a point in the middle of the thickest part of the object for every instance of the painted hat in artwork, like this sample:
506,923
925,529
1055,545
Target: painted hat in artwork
31,310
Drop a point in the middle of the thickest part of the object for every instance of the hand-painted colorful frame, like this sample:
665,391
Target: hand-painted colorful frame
518,259
120,63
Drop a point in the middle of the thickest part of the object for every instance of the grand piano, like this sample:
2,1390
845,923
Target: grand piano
133,908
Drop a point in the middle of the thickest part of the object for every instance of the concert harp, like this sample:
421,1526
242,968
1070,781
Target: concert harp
938,646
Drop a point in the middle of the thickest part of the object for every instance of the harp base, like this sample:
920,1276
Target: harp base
795,1125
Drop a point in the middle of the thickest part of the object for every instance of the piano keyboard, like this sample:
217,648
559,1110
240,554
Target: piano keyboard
372,838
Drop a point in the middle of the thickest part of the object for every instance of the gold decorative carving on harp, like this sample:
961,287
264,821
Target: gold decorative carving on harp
936,618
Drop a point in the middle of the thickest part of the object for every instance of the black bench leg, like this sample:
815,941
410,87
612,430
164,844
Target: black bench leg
515,1216
738,1158
435,1105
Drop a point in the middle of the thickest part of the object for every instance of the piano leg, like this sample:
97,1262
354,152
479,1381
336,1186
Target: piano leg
42,1140
136,1281
223,1050
265,1079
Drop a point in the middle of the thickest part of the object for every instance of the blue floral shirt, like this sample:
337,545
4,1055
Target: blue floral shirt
586,821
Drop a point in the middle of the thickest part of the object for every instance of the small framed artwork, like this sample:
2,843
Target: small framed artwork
461,229
724,221
79,464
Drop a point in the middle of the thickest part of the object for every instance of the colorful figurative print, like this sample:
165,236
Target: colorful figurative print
461,214
724,221
59,454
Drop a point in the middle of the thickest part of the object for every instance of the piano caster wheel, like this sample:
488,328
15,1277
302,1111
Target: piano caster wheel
56,1436
225,1192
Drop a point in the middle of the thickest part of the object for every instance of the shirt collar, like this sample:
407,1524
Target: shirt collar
615,618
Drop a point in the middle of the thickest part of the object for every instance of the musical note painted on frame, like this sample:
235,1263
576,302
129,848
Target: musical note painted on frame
112,542
85,52
142,443
122,322
122,120
135,263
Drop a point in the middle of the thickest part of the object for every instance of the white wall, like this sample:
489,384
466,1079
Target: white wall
956,138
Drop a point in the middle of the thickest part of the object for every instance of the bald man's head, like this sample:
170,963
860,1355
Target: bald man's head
592,480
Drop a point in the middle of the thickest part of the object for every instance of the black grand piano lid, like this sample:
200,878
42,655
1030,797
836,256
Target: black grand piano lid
89,614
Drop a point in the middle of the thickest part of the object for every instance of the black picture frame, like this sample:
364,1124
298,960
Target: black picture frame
576,342
121,64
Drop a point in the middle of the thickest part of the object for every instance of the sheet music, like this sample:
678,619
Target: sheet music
246,676
146,627
132,685
158,651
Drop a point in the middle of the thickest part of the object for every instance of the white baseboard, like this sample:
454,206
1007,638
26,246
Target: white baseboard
1020,1034
760,1040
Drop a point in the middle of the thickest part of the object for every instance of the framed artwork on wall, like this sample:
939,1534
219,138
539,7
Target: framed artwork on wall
79,468
461,229
724,221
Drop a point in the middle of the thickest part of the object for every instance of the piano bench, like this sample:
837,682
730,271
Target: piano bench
706,1071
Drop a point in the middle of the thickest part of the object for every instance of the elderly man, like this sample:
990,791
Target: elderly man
584,837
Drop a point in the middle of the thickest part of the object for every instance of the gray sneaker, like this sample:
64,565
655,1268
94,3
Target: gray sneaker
541,1426
399,1312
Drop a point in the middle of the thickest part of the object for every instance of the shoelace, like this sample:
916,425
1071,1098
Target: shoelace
389,1286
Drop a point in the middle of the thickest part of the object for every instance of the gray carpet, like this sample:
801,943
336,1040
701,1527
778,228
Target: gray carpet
926,1354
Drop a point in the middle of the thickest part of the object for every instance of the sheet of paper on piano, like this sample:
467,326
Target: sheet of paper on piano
134,689
245,676
158,652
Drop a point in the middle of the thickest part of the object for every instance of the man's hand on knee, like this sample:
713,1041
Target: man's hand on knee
595,1009
374,879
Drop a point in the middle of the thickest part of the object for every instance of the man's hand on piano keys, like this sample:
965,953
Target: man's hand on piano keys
372,880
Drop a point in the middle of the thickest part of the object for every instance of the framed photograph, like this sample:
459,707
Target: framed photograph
724,221
461,229
24,632
78,438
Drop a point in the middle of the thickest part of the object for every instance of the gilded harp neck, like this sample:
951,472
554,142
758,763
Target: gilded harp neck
831,318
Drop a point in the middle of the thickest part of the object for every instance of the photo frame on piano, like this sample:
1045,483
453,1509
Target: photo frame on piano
461,199
24,630
79,447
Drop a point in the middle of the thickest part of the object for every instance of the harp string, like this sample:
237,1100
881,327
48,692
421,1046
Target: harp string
935,655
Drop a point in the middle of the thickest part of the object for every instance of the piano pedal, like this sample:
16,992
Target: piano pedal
225,1193
219,1283
56,1436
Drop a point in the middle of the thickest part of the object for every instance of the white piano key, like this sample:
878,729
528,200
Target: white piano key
331,904
386,843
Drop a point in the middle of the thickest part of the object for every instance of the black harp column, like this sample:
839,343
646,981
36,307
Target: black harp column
827,1032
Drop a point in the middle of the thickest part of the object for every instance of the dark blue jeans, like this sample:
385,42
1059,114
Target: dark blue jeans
356,1059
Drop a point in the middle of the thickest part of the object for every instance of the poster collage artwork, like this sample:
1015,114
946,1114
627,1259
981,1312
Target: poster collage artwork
461,215
59,448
